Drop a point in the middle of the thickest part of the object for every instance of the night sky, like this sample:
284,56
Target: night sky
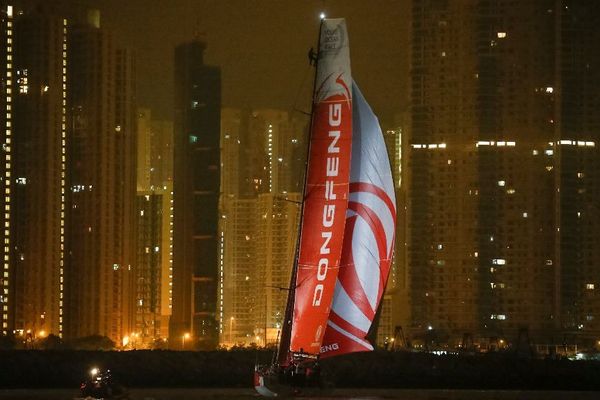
261,47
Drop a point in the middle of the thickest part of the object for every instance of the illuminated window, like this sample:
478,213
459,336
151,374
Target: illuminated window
501,183
501,35
193,139
590,286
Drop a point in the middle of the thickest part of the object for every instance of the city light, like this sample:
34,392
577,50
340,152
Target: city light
184,337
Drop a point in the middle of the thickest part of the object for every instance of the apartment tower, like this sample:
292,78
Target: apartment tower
503,170
196,181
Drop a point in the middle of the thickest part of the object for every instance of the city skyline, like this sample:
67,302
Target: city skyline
125,220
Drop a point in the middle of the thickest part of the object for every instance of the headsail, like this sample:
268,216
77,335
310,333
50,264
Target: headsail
368,239
326,192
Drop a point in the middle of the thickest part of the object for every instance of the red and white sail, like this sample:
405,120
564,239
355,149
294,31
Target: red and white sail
368,240
326,192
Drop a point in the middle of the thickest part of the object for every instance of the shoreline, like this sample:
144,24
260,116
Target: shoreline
357,394
233,369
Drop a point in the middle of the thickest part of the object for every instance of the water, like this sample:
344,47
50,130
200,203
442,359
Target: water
339,394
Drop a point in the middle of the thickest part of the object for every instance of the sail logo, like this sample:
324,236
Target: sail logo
330,347
331,171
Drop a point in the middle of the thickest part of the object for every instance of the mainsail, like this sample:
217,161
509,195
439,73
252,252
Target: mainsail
368,238
326,191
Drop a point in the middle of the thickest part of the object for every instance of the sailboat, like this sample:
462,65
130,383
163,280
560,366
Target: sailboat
347,229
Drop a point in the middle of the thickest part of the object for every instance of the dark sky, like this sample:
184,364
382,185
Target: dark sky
262,46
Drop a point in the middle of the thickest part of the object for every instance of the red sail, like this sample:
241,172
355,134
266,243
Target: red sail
326,192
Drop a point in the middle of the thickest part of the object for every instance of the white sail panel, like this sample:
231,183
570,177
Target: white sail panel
368,237
363,240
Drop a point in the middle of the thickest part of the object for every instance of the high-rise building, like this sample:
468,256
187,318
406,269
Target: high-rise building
149,271
262,171
38,171
503,227
276,241
101,146
196,189
7,286
154,151
393,309
154,272
238,262
281,136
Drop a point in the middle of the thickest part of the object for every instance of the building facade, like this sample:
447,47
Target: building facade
503,227
38,172
101,146
154,273
196,196
7,286
263,170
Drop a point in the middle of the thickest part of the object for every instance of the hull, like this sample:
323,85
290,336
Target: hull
272,381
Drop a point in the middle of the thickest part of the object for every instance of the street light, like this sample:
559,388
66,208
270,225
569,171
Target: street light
183,338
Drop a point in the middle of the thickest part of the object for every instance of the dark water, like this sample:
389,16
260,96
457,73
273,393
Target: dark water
339,394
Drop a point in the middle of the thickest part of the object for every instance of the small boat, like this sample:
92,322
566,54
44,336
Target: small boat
102,385
347,230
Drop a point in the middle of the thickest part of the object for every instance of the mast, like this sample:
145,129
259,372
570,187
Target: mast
283,351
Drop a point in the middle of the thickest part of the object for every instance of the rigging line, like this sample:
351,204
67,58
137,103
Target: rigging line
288,200
287,289
302,85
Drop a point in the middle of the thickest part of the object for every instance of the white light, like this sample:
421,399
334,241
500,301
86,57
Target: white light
322,15
501,35
549,89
